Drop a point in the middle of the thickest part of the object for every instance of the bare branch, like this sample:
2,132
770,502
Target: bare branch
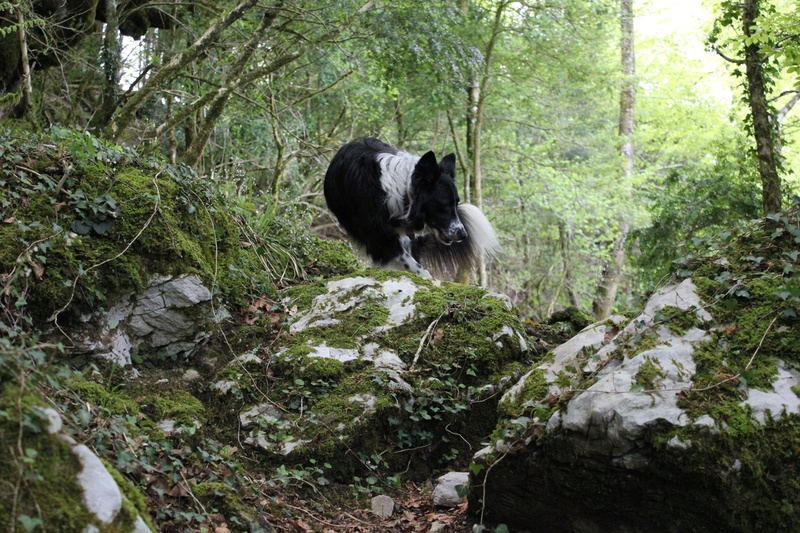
721,54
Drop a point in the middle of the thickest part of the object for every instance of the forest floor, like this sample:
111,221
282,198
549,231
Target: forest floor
293,512
413,512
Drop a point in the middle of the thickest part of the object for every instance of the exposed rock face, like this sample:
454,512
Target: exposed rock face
613,433
171,317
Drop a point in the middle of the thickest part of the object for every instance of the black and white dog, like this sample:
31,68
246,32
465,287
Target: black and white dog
403,209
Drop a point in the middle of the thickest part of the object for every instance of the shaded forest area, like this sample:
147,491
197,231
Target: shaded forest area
600,153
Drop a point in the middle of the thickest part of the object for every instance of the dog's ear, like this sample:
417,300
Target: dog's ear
448,165
427,169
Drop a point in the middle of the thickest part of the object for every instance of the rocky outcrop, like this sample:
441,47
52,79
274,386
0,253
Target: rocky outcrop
100,503
171,317
382,359
682,419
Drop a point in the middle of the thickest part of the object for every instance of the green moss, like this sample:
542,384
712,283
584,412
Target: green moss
176,405
563,380
133,503
533,391
647,374
135,220
222,498
115,403
295,365
573,316
639,342
332,257
678,320
761,488
42,473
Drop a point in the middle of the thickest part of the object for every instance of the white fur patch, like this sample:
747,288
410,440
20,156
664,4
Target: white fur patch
406,261
396,173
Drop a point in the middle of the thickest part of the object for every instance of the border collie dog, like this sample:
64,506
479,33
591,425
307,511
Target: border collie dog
403,209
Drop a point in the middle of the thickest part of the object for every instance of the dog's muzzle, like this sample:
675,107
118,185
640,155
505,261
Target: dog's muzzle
455,233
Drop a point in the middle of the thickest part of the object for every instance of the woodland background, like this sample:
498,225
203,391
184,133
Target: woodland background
603,138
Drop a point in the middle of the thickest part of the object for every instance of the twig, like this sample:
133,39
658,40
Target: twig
192,493
726,58
764,336
459,435
422,340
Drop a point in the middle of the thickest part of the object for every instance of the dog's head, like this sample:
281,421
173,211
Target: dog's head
434,199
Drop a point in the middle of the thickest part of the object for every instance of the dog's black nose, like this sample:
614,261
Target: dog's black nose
460,234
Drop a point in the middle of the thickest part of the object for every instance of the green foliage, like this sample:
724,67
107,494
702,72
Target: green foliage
694,202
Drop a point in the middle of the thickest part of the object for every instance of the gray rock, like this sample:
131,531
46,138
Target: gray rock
445,494
622,448
171,315
383,506
101,495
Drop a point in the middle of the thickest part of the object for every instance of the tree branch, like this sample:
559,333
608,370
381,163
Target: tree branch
124,115
721,54
788,105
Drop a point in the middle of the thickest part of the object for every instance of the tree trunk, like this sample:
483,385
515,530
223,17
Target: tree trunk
759,108
613,272
475,117
27,83
473,95
194,151
112,60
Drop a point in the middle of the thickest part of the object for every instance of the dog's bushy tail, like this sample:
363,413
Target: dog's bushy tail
446,260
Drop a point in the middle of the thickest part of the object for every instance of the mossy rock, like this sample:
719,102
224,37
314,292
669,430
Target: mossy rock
380,361
693,403
47,491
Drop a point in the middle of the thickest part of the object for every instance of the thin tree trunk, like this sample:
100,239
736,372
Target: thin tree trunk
157,81
480,102
613,272
27,83
565,241
759,108
477,111
473,95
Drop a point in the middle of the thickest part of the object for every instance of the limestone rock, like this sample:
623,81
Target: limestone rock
387,358
445,494
99,492
171,316
647,428
382,506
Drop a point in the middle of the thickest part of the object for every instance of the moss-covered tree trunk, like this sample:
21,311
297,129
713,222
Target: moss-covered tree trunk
158,81
763,130
27,84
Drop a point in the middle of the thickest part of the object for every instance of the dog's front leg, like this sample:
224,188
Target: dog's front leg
406,261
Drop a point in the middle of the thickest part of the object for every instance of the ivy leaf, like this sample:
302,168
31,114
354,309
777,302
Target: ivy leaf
80,227
29,522
101,227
